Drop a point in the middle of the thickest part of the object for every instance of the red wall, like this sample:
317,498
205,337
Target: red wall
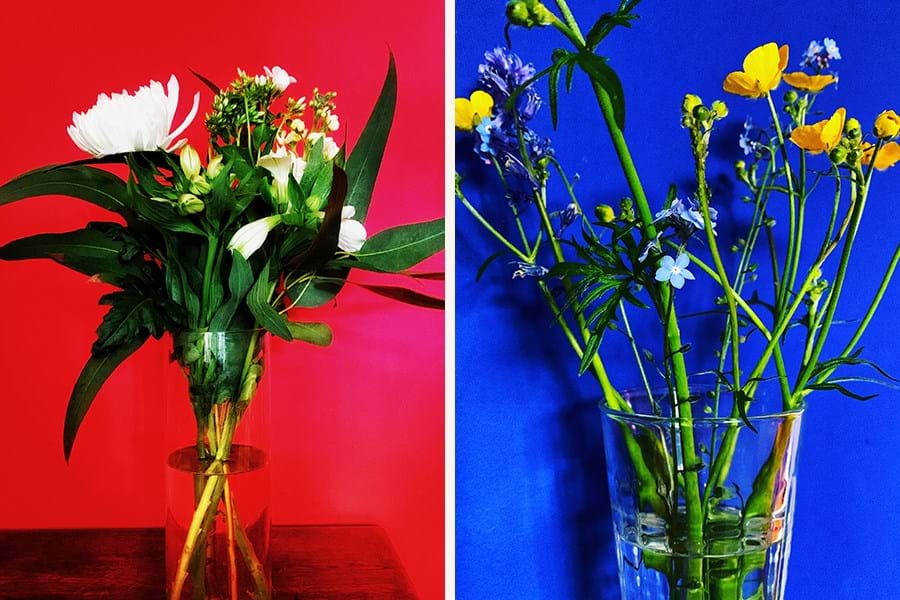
358,427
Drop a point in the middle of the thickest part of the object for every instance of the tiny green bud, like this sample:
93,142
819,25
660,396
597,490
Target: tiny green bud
719,109
541,15
517,13
690,102
190,161
852,128
853,157
838,155
189,204
790,96
701,113
315,203
605,213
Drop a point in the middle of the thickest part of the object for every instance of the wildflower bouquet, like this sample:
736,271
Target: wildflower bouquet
701,468
219,253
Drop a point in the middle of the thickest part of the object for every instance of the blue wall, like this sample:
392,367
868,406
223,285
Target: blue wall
532,506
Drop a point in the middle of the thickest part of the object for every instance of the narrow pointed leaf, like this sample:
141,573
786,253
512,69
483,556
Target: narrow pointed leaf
399,248
365,159
601,73
318,334
97,370
77,181
405,295
263,311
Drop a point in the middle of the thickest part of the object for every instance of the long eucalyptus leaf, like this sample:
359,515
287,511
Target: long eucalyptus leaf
399,248
79,181
365,159
405,295
97,370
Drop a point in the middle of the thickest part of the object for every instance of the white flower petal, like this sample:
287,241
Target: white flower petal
250,238
352,235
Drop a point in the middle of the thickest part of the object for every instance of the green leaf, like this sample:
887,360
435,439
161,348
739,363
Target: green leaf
130,316
77,181
208,83
405,295
97,370
601,73
365,159
239,281
265,313
87,251
325,244
318,288
314,333
399,248
480,273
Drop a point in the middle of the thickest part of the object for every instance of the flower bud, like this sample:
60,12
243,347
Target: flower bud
689,103
701,113
605,213
838,155
517,13
852,128
790,96
541,15
190,161
719,109
189,204
214,167
200,186
887,125
853,157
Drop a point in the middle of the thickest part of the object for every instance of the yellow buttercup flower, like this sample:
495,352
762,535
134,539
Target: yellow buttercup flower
887,157
470,111
762,72
821,136
887,125
808,83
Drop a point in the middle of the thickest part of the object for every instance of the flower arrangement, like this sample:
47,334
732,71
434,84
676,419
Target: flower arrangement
599,266
273,221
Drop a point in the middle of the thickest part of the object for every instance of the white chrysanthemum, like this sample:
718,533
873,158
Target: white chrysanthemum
352,234
121,123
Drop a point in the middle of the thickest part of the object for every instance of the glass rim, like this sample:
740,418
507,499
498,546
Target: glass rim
226,332
642,417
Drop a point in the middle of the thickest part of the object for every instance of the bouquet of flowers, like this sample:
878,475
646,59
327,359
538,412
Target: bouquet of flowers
274,220
701,476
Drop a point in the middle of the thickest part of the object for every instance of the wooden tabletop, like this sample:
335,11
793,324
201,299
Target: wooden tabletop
309,562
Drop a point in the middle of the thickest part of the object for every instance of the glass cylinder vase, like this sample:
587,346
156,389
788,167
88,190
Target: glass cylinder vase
702,492
217,472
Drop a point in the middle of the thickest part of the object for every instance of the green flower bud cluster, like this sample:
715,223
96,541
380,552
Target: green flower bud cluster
247,99
529,13
694,115
795,106
849,151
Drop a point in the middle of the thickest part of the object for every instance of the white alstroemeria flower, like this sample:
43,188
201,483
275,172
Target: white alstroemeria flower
120,123
279,77
249,238
278,163
352,234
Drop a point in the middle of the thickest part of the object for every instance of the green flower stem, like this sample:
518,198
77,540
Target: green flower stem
484,222
637,353
569,18
838,285
515,211
212,243
783,289
673,344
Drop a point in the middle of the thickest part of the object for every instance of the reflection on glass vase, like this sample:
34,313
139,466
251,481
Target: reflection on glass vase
702,507
217,473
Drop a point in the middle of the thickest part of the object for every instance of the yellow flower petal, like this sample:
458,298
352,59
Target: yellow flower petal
808,83
464,113
482,104
888,155
822,136
468,112
833,129
761,74
887,125
809,137
741,84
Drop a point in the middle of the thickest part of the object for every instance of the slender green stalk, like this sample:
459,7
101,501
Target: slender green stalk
484,222
637,353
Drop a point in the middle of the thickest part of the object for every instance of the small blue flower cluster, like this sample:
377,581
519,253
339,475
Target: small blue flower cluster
503,136
819,56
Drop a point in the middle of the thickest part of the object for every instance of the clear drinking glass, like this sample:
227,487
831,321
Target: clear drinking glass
217,474
702,507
